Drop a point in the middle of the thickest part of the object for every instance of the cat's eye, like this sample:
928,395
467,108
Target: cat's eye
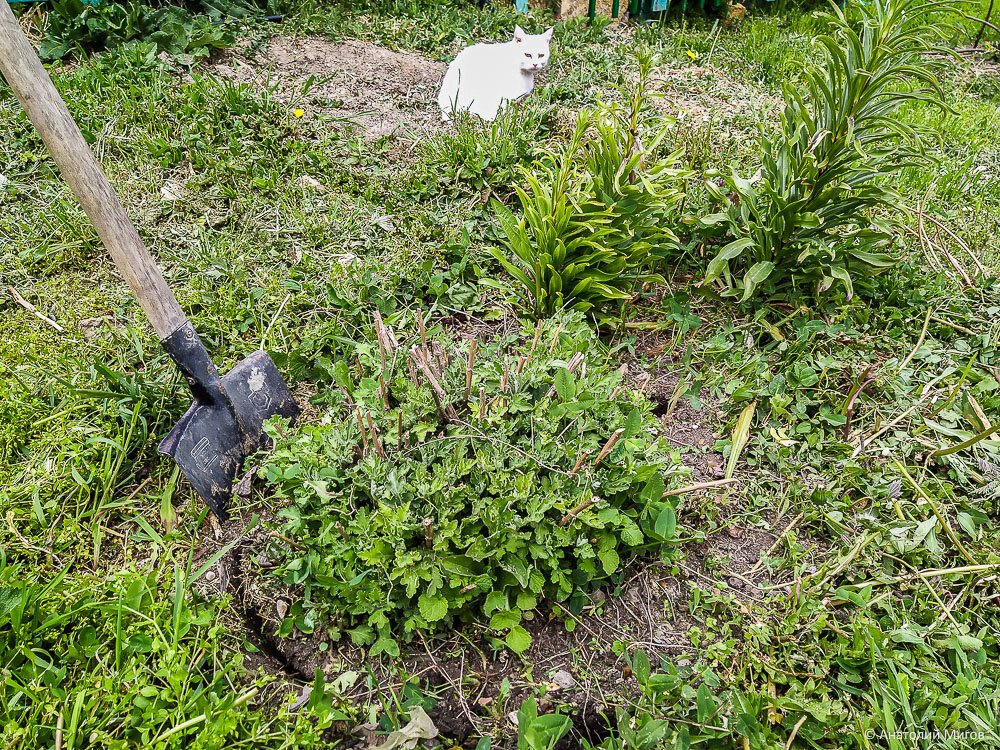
527,54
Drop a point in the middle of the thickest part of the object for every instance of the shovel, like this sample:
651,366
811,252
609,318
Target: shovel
225,423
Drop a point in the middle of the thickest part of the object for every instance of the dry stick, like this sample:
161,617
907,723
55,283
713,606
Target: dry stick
699,486
945,610
534,342
958,241
390,336
286,540
643,382
436,390
954,263
385,391
979,34
555,339
937,512
847,560
795,731
777,543
428,533
413,372
468,370
399,430
925,245
956,326
987,424
577,510
28,545
622,373
381,343
861,446
59,731
440,358
423,331
364,437
925,239
609,445
934,573
920,341
383,332
506,375
579,462
33,310
376,442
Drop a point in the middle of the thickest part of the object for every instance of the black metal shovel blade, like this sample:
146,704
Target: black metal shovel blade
215,436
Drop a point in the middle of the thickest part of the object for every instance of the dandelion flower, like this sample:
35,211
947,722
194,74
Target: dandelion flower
692,54
298,113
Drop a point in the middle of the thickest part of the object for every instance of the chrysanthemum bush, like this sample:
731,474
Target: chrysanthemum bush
450,480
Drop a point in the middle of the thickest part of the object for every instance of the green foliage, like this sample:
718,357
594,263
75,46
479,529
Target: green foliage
481,514
597,209
805,218
485,155
536,732
177,29
121,662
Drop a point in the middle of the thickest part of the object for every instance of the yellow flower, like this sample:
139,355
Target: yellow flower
692,54
298,113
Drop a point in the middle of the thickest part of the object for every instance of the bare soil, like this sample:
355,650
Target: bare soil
357,83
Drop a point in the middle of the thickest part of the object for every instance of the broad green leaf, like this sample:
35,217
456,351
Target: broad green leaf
609,560
518,639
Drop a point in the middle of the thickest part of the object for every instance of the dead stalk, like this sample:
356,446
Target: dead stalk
577,510
376,441
579,462
700,486
364,436
608,446
423,331
468,370
534,342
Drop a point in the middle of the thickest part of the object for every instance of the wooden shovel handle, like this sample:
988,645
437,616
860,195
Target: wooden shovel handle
47,111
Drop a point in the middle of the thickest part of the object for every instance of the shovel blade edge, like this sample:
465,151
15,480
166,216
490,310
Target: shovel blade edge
211,441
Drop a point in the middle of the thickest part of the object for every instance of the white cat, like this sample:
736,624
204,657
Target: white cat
484,77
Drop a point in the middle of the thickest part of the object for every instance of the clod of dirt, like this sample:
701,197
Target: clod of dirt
380,90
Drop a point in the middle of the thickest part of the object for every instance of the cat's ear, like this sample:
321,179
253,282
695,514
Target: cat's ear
548,33
518,34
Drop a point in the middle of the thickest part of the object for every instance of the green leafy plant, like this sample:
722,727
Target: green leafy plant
805,218
485,155
184,28
129,661
536,732
597,209
477,492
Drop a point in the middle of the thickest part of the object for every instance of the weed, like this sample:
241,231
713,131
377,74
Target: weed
803,221
417,506
597,213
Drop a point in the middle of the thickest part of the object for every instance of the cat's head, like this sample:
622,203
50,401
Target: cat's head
533,49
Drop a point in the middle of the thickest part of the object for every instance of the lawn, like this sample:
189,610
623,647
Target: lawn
727,477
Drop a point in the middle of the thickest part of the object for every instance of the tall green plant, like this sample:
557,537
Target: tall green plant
597,210
805,219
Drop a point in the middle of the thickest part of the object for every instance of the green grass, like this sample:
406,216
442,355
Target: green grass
96,570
